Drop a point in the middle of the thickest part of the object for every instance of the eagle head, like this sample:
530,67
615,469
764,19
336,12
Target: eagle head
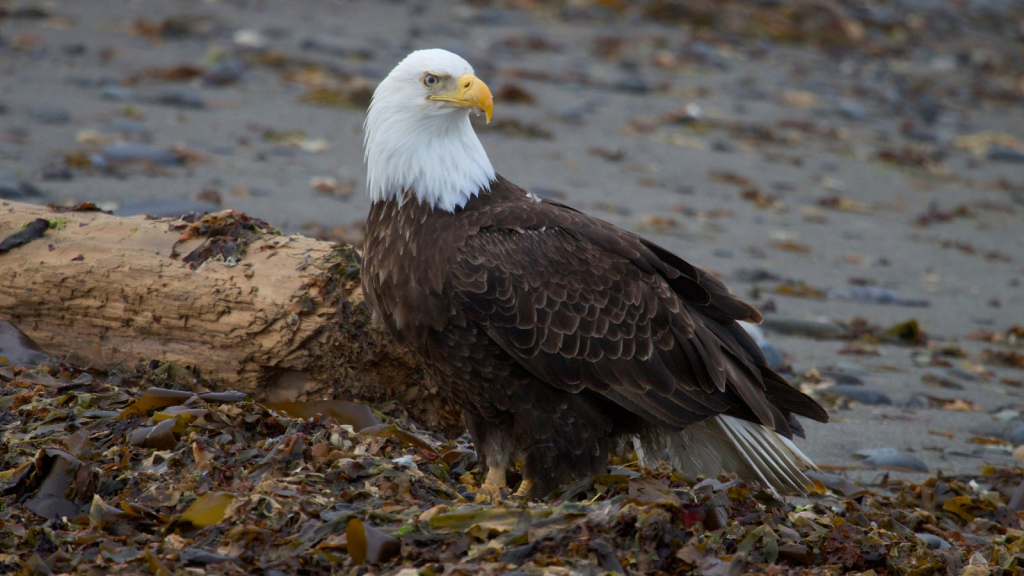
418,138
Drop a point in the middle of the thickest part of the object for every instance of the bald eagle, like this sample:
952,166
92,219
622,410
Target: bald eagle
558,334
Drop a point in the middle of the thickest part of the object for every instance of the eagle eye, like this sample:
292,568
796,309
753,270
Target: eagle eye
431,80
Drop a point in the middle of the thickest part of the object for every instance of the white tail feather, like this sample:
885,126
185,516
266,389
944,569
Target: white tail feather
727,444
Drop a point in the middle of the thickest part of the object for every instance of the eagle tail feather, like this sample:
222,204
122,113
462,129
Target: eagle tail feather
727,444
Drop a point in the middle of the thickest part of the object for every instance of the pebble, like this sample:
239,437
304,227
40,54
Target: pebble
127,126
757,275
892,458
225,73
251,39
50,115
181,97
131,152
118,94
84,82
933,541
772,354
706,53
722,146
632,85
840,484
873,295
850,369
852,110
842,377
8,150
338,47
1004,458
991,429
1016,436
1000,153
802,327
942,378
914,403
56,171
861,393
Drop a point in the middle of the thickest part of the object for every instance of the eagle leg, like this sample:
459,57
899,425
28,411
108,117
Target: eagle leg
524,489
493,441
493,488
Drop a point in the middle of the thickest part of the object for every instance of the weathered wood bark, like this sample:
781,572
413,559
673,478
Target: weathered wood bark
287,322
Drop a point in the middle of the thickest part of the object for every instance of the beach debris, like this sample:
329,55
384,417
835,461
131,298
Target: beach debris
857,393
331,186
30,232
17,349
891,459
216,487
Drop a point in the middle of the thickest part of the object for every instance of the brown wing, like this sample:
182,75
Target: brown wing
583,304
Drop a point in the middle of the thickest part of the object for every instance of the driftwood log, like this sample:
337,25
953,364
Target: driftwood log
280,317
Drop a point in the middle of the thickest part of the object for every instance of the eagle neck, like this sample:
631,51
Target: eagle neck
436,157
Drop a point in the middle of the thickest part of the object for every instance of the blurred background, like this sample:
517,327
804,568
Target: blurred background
854,168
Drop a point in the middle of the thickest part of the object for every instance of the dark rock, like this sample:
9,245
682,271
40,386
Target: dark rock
1000,153
29,13
993,428
804,327
181,97
56,171
118,94
517,555
722,146
933,541
632,85
197,557
1016,435
852,110
706,53
128,127
50,115
874,295
225,73
757,275
18,348
131,152
860,393
8,150
842,378
338,47
914,403
772,354
929,108
83,82
892,459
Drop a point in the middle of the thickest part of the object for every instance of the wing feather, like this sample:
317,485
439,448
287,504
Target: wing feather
581,304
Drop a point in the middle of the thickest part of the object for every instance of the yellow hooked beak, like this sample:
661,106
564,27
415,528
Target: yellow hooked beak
471,93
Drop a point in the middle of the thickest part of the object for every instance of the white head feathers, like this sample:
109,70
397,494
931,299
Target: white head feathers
422,144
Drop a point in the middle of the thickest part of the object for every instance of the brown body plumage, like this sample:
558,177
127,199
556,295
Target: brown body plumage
558,333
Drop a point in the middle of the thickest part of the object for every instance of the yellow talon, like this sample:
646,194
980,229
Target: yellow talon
524,489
